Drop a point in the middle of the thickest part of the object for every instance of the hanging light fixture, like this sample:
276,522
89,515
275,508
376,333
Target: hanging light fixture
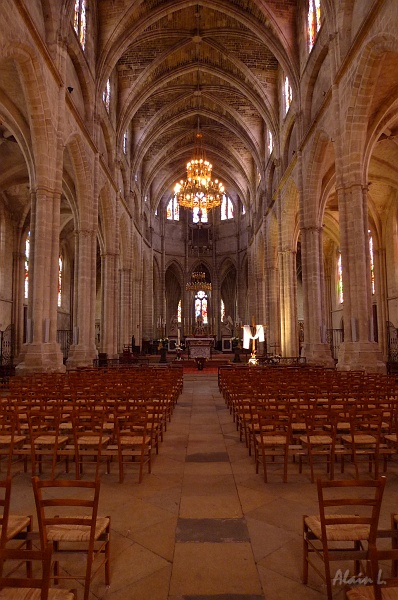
198,283
198,190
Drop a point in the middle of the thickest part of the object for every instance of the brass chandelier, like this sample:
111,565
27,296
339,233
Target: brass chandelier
198,190
198,283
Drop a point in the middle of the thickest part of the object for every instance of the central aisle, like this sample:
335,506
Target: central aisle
213,554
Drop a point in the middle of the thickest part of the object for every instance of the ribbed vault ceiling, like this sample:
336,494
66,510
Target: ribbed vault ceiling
181,63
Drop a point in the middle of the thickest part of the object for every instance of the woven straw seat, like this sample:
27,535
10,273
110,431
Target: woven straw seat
339,532
16,524
366,592
71,532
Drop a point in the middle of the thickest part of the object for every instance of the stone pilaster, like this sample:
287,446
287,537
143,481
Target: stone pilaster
315,347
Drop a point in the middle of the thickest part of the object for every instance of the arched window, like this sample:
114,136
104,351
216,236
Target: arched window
173,210
60,268
340,280
227,208
27,252
314,21
179,312
80,21
222,310
106,95
201,306
372,266
125,138
288,93
270,142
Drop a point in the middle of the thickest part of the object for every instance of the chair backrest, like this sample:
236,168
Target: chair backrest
14,578
350,502
66,503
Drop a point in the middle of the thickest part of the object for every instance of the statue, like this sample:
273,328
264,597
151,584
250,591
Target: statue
227,326
173,329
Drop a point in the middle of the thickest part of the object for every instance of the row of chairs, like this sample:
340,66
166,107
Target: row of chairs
68,523
346,531
86,438
308,428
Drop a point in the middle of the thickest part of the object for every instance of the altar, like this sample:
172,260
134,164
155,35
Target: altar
199,347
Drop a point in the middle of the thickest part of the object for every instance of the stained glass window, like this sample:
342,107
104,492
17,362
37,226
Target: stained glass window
372,266
314,21
80,21
60,267
106,95
201,306
27,252
125,142
222,310
227,208
288,94
173,210
179,313
340,280
195,211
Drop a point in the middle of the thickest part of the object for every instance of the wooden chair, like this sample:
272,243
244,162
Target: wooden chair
11,439
13,527
67,513
363,441
14,586
377,585
134,441
90,439
318,442
272,440
45,438
347,522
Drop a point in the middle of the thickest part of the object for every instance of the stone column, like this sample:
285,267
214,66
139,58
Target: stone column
137,309
42,352
125,310
273,329
108,302
288,299
315,347
358,351
83,350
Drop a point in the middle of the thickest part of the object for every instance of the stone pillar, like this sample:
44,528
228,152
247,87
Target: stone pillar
379,257
137,309
358,351
42,352
125,311
315,347
108,302
288,299
83,350
273,329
